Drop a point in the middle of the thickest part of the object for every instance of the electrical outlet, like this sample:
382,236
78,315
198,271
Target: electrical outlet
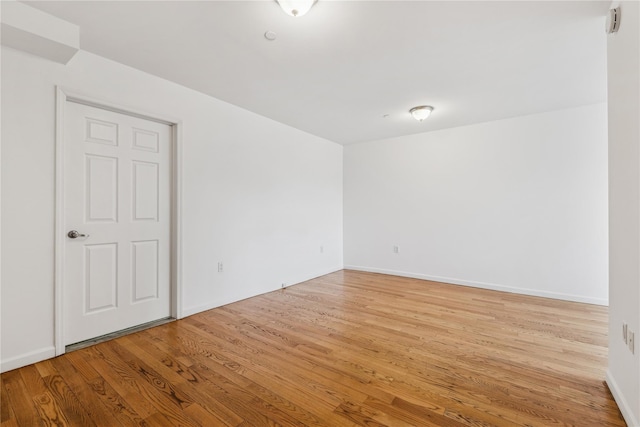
396,249
321,249
632,341
220,267
624,333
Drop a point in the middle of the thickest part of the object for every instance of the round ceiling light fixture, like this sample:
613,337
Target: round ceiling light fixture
421,112
612,25
296,7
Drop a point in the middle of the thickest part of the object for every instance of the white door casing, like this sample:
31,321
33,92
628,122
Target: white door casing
115,185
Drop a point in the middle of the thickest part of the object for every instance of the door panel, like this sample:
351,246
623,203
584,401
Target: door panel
100,279
145,270
101,188
117,192
145,191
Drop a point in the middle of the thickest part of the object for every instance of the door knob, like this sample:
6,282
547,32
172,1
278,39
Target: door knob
73,234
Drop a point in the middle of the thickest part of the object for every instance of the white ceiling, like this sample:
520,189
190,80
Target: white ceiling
337,71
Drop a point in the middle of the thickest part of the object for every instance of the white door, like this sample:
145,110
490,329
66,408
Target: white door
117,193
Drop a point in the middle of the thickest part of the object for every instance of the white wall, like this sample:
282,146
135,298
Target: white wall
257,195
516,205
623,58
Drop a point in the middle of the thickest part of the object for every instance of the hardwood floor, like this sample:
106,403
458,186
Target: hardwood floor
346,349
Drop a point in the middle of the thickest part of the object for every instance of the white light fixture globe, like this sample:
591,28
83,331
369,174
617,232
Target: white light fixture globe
296,7
422,112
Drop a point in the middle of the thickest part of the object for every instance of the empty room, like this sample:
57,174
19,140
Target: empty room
320,213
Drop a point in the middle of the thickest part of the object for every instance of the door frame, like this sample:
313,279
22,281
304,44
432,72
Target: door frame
63,96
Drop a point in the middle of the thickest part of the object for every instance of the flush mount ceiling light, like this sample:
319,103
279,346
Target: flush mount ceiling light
296,7
422,112
613,21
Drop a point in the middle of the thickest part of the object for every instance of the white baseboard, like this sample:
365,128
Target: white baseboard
483,285
189,311
186,312
627,414
27,359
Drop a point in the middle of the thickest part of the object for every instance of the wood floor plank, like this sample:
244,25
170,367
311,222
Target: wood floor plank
20,399
184,353
205,417
65,398
196,382
115,385
145,382
6,411
236,373
92,389
50,412
266,357
343,350
221,388
103,410
355,356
